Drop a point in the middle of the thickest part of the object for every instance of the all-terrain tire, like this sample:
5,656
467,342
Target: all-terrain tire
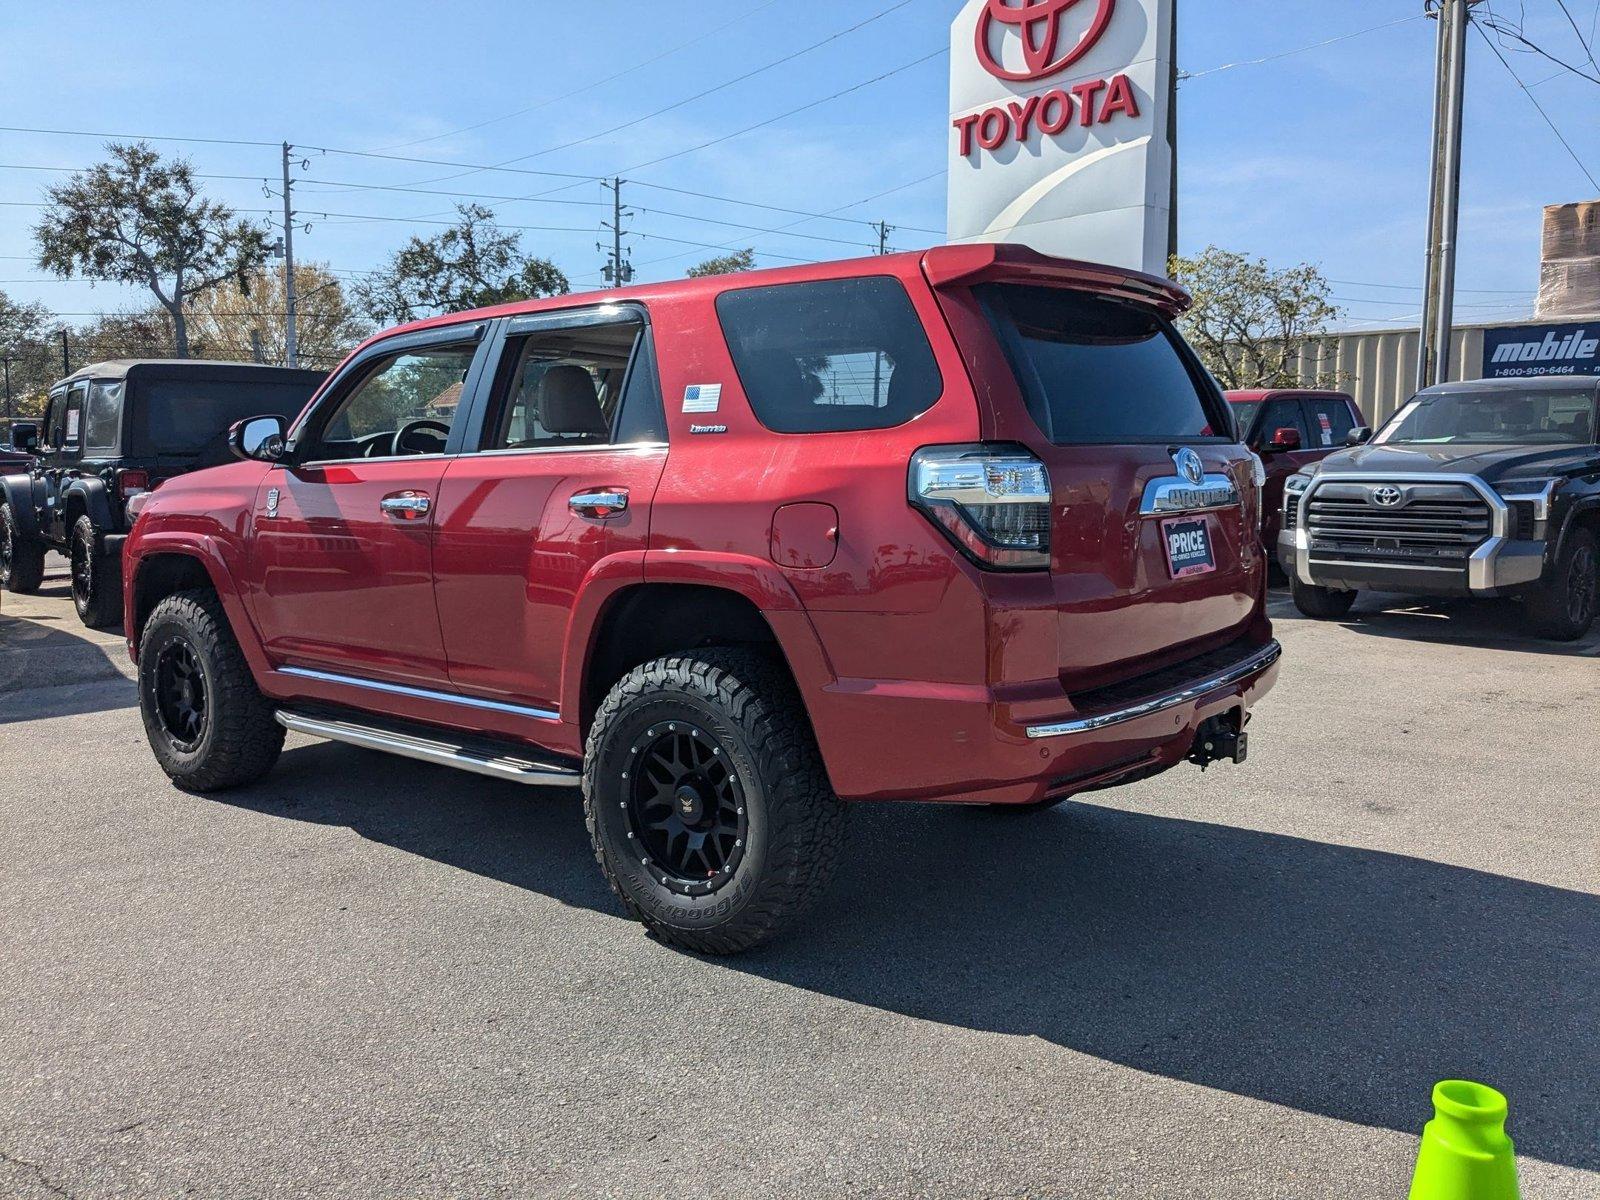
235,739
21,557
1564,607
1323,604
743,708
96,578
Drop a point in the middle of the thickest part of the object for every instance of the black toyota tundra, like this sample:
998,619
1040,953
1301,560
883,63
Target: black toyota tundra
1490,488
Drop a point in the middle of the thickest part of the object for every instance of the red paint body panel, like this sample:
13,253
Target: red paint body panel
1281,464
919,670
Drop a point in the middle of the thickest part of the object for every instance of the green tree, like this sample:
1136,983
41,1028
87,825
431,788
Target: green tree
138,219
472,264
727,264
1249,321
33,361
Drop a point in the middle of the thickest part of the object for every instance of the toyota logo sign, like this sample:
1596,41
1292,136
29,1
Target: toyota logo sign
1038,22
1389,497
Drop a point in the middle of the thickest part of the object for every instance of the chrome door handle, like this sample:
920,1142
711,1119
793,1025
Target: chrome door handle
599,504
408,506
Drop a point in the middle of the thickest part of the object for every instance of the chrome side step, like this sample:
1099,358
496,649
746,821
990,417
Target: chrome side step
429,750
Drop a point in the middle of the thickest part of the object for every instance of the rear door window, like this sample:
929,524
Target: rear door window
102,422
1094,369
72,428
1285,414
1331,420
838,354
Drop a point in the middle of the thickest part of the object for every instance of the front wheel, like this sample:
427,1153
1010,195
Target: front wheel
1324,604
208,724
21,557
1564,608
706,799
96,578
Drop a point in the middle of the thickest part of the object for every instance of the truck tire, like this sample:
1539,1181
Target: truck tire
21,557
706,799
207,722
96,578
1324,604
1563,608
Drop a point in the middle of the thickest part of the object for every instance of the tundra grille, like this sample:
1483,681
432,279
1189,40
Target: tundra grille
1403,521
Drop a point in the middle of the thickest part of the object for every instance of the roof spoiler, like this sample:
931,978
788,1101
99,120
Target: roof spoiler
990,262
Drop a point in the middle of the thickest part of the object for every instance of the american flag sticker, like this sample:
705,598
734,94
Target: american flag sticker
702,397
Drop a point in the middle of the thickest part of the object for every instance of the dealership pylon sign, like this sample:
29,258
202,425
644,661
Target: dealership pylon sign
1060,128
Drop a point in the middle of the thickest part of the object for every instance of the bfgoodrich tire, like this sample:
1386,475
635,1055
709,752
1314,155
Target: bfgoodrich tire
208,724
706,799
21,558
1324,604
96,578
1564,607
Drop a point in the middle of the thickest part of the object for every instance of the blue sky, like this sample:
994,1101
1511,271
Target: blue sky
1318,156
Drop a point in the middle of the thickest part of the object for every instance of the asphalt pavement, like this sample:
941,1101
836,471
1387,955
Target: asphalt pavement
369,977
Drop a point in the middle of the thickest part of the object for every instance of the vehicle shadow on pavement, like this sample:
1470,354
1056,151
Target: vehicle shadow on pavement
46,669
1333,980
1484,624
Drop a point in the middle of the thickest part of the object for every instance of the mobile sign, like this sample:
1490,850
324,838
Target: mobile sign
1532,351
1060,132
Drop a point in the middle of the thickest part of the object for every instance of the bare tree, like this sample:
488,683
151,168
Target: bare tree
1250,321
138,219
245,326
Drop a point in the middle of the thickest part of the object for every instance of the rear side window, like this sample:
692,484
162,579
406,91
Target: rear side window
1331,419
1098,370
188,417
102,422
1285,414
841,354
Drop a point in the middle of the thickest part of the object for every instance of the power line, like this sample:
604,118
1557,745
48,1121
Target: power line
1587,44
1534,100
1256,62
138,137
1505,31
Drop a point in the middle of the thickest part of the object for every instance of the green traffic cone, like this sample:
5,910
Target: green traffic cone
1465,1153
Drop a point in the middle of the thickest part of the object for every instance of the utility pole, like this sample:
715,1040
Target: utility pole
291,350
11,409
1444,192
884,230
618,271
66,364
1172,141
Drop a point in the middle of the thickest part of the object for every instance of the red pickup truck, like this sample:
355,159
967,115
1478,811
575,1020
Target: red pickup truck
727,552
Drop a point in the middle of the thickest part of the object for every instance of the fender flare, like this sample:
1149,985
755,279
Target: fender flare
206,552
756,580
1579,509
96,501
18,492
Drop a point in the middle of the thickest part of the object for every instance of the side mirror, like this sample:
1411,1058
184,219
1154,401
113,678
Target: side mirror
24,436
263,439
1287,438
1359,436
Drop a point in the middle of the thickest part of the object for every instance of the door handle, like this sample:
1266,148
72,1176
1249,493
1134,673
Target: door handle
406,506
599,505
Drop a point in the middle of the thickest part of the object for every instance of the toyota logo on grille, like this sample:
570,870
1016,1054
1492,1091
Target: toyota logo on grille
1039,24
1388,497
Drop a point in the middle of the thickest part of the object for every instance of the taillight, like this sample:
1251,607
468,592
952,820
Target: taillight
993,501
131,483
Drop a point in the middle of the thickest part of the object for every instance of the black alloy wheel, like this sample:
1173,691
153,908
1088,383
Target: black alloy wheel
1583,584
686,808
181,695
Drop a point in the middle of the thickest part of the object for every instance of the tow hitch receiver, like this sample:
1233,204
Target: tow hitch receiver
1222,738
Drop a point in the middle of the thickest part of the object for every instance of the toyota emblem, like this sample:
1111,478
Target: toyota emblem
1190,466
1038,23
1388,497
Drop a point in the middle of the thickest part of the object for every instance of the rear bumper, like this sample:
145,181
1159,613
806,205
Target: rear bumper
902,740
1500,566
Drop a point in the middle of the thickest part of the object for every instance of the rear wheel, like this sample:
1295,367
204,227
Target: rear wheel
1564,608
1324,604
706,799
21,557
96,578
208,724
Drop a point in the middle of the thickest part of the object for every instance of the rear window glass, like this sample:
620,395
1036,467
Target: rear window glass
103,421
841,354
191,416
1097,370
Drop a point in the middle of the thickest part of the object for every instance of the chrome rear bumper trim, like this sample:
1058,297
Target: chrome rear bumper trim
1259,661
427,750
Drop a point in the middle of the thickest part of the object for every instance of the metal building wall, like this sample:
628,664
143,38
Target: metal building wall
1379,367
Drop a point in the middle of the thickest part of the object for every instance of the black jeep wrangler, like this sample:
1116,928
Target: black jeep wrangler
1490,488
111,431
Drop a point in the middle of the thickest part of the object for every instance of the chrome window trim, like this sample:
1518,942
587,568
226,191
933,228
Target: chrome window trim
1258,661
591,446
1162,496
350,462
400,689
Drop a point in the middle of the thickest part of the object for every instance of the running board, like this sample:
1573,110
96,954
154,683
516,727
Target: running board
445,754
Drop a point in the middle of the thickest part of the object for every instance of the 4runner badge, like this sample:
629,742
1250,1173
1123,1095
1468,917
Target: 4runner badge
1190,466
272,503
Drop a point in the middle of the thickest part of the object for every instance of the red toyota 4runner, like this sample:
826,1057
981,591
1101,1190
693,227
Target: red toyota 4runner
727,552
